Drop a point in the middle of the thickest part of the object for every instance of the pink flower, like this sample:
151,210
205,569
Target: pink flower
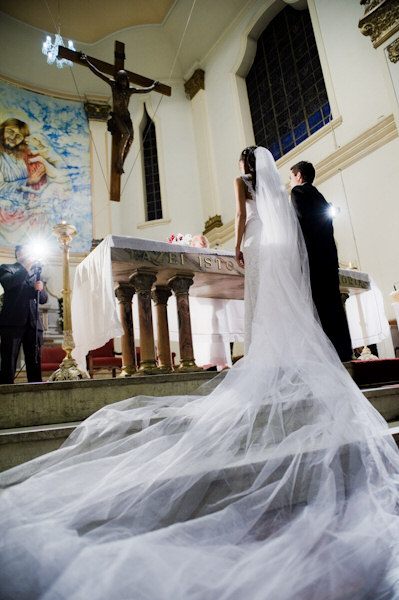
179,238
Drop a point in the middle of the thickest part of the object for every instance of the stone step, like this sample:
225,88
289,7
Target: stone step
55,402
241,475
385,399
25,405
21,443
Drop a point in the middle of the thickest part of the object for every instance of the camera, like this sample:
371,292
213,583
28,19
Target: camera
37,269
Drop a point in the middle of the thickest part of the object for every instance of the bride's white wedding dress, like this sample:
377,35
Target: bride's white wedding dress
252,237
277,482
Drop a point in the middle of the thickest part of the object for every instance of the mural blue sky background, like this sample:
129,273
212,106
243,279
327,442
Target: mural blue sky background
59,136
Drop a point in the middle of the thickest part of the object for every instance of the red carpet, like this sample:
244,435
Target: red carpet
375,372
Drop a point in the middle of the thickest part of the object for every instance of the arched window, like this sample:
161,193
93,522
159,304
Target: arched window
285,84
151,173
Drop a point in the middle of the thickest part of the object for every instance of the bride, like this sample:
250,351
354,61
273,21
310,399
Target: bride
277,482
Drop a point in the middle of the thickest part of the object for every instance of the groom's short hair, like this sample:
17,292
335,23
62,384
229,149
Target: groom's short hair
306,169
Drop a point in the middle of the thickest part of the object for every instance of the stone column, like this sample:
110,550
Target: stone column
180,284
125,293
142,280
160,295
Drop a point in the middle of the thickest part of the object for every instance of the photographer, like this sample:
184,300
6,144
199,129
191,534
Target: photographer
20,322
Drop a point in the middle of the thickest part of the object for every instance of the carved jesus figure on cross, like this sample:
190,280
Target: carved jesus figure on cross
119,124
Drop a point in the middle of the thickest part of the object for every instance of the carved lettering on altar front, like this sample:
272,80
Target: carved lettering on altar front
350,282
204,262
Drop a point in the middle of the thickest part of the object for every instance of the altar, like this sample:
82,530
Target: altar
121,268
127,285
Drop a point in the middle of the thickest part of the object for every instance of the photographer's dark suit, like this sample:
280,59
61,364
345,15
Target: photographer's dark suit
316,224
18,318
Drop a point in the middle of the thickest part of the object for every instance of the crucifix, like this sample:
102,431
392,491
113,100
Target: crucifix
119,124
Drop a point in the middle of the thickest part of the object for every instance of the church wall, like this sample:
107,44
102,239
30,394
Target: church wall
208,180
361,92
178,154
352,68
227,134
364,99
181,201
99,157
23,63
360,100
375,214
176,149
356,74
391,72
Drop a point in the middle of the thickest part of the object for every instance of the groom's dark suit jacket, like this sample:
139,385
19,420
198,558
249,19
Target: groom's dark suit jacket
312,210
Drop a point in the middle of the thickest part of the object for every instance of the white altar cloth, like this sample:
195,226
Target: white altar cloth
396,311
95,311
215,323
366,317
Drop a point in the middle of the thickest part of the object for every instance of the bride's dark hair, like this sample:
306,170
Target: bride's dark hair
248,157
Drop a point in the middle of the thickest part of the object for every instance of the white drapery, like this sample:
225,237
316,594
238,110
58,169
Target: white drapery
366,317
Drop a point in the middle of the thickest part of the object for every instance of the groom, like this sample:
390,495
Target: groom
316,224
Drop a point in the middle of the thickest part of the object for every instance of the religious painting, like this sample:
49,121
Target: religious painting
44,168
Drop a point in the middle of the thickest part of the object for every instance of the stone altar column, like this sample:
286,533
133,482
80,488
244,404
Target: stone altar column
160,295
180,284
125,293
142,280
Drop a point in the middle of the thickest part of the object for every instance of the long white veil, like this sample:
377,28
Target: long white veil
278,481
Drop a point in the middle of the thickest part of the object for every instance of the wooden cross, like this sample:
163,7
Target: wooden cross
101,68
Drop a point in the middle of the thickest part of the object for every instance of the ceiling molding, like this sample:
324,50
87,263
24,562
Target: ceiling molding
364,144
79,22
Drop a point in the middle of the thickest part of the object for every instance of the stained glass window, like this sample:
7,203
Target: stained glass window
151,173
286,90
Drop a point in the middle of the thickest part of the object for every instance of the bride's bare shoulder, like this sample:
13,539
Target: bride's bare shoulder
239,183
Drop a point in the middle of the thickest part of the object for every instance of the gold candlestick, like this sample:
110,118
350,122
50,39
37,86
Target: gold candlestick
68,368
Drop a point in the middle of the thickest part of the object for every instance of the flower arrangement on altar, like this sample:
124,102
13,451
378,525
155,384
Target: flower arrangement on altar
179,238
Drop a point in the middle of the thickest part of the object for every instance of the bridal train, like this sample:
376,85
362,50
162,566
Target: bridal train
276,481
